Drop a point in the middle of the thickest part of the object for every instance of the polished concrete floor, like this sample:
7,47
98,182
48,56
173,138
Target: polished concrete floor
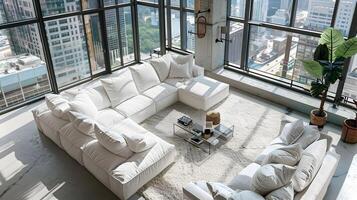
33,167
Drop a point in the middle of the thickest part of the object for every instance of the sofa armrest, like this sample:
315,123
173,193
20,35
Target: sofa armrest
198,71
317,189
193,192
37,112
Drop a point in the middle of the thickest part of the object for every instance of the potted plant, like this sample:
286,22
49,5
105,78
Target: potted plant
349,129
327,67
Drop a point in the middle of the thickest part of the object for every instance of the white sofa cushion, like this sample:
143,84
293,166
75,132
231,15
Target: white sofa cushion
310,135
82,123
284,193
137,138
219,190
144,76
288,155
246,195
243,181
271,177
162,66
113,141
260,158
108,117
100,162
180,70
202,93
74,142
50,125
58,105
120,88
309,164
292,132
137,108
83,104
163,95
99,97
184,59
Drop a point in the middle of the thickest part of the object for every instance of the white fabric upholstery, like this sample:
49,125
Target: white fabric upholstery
99,97
317,189
178,82
144,76
309,164
243,181
108,117
50,126
203,93
127,178
83,104
271,177
162,66
192,191
58,105
82,123
120,88
137,108
198,71
113,141
260,158
246,195
292,132
184,59
180,70
74,142
220,190
137,138
310,135
289,155
163,95
100,162
285,193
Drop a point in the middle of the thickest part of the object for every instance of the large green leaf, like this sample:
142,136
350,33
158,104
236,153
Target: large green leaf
313,68
317,88
347,49
321,53
332,38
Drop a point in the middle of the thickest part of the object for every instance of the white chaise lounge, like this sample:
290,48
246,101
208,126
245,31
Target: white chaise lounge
141,91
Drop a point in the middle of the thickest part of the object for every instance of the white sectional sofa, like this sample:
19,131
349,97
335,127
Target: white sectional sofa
139,92
316,190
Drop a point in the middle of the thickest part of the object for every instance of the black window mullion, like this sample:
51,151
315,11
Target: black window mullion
105,45
119,36
162,27
45,46
246,35
168,28
183,25
86,39
135,28
335,11
226,45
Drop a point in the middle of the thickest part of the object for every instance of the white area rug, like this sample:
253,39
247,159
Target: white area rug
256,124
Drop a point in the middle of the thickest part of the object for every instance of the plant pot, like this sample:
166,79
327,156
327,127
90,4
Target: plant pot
349,131
317,120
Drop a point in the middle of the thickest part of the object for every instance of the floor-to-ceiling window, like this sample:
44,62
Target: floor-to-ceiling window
180,28
269,38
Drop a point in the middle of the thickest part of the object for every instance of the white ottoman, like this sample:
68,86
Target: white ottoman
202,93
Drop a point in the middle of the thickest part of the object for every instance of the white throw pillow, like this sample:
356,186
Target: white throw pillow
162,66
292,131
120,88
112,141
271,177
83,104
284,193
219,190
82,123
179,70
137,138
310,135
309,165
288,155
246,195
58,105
99,97
183,59
144,76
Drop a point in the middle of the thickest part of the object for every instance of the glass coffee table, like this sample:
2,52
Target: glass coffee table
195,135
